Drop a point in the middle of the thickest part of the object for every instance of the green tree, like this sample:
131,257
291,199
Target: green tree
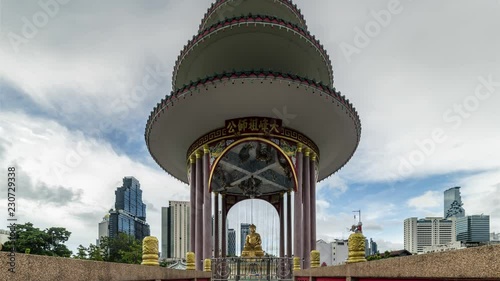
48,242
373,257
132,254
123,249
82,253
95,253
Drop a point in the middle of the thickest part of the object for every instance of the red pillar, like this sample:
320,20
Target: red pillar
199,211
307,210
192,199
297,227
207,207
313,201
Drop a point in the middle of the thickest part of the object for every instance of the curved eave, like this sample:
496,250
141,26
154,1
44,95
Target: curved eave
272,24
220,3
323,115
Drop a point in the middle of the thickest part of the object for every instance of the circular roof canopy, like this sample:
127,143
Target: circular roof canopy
253,43
328,119
223,9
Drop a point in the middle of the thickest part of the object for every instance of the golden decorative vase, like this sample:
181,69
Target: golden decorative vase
315,256
356,246
150,251
296,263
190,261
207,265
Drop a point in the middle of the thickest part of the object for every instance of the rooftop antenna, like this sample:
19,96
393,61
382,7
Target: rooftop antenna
359,215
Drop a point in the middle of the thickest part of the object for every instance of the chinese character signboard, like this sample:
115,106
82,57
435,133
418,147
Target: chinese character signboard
254,125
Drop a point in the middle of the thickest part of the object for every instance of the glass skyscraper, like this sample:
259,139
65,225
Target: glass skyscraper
453,203
244,231
231,242
473,229
129,216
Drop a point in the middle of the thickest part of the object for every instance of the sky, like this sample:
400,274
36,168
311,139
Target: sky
423,75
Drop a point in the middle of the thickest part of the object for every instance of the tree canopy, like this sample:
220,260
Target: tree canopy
123,249
48,242
51,242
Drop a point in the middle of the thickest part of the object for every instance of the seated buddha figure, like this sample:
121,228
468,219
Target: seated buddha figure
253,247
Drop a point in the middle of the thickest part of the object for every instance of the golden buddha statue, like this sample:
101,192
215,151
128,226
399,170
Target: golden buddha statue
253,247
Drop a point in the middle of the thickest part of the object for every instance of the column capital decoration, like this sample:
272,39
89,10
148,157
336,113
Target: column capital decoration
313,156
206,150
198,154
307,152
299,147
192,159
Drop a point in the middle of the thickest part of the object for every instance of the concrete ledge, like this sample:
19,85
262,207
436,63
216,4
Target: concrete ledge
473,263
45,268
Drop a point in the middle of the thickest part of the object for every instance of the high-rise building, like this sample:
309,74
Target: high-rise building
231,242
367,248
244,230
339,251
333,253
175,229
129,216
471,229
325,252
103,229
370,247
419,233
410,234
453,203
373,247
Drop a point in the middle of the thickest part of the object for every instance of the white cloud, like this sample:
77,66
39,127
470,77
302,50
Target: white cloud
430,199
334,185
481,195
401,85
385,245
65,161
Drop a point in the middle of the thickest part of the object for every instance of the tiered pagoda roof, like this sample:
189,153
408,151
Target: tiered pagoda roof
252,58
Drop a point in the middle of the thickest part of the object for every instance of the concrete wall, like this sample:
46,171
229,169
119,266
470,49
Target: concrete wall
482,263
45,268
473,263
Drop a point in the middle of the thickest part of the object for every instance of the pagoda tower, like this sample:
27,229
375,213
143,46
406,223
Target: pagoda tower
253,113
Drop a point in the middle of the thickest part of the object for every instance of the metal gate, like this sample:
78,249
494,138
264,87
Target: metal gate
240,269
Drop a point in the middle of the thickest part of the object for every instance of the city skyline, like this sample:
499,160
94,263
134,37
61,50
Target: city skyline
73,105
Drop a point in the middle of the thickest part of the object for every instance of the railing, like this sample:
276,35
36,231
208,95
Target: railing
265,268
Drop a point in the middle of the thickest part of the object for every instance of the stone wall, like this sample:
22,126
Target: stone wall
473,263
45,268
